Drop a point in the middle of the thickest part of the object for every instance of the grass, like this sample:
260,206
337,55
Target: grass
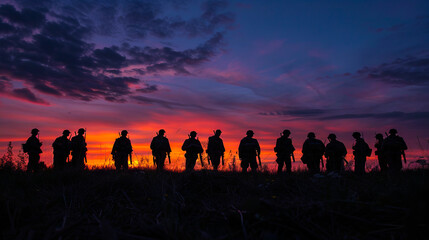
143,204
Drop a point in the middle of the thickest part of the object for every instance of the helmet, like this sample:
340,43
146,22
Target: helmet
124,132
379,136
286,132
356,135
193,134
250,133
81,130
34,131
332,136
161,131
218,131
311,135
393,131
66,132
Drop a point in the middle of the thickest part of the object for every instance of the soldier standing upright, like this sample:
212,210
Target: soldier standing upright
312,153
160,149
380,155
335,153
284,150
394,147
78,147
193,149
215,150
248,150
33,148
62,147
120,151
361,150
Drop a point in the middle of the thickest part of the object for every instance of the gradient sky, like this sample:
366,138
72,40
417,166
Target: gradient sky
336,66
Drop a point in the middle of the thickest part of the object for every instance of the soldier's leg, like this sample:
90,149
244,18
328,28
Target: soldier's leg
118,164
215,161
253,164
244,165
280,162
125,162
288,165
382,163
160,160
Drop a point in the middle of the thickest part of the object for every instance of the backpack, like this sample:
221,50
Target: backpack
25,148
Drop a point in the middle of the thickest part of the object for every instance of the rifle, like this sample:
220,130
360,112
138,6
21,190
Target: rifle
403,155
259,158
131,156
169,159
84,156
223,162
323,165
293,157
201,159
208,159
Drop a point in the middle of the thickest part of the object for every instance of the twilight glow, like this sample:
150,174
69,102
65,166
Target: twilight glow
336,66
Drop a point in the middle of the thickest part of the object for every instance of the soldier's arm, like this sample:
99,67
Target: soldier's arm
168,146
222,147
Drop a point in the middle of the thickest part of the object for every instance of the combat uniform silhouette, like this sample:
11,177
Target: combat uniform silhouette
160,149
33,147
78,147
120,151
382,162
394,147
193,149
248,150
62,147
312,153
335,153
361,150
284,150
215,149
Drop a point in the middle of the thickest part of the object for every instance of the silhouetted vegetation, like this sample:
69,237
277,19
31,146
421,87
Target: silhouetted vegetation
207,205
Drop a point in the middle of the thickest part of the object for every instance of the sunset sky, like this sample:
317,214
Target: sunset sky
322,66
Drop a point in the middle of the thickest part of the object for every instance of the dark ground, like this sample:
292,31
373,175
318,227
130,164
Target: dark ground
103,204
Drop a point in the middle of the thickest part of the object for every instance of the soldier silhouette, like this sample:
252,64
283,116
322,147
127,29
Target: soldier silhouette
312,153
215,150
33,148
335,153
193,149
382,162
62,147
160,149
284,150
394,147
120,151
248,150
78,147
361,150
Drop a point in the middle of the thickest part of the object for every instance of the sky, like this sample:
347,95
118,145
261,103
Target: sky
327,67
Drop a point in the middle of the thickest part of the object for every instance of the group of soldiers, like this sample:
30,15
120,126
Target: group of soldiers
63,146
389,151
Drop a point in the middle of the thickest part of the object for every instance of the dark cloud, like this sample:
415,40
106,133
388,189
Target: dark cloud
26,94
148,89
304,112
402,71
167,104
387,115
26,17
57,57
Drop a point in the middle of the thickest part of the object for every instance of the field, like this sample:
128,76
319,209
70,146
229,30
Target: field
143,204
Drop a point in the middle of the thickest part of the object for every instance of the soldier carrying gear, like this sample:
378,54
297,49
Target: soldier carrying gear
312,153
284,150
215,149
193,149
248,150
78,147
33,147
335,153
62,147
120,151
160,149
381,157
393,148
361,150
